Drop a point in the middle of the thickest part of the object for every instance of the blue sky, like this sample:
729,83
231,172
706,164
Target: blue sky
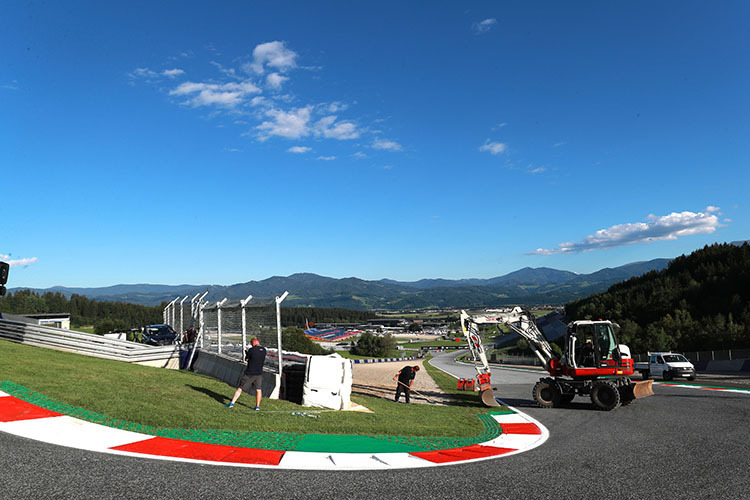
196,143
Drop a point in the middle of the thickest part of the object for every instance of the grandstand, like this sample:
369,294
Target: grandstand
331,334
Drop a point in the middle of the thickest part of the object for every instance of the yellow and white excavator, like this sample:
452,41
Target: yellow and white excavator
591,352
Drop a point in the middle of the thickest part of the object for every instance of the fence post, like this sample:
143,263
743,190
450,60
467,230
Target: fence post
279,300
192,307
201,319
200,332
218,320
179,334
198,306
243,303
167,312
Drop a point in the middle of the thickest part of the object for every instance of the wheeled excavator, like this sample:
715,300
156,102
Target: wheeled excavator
593,363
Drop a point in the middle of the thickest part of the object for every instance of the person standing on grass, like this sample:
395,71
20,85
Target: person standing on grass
405,380
253,377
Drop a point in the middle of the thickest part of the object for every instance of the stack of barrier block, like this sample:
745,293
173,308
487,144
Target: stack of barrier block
466,384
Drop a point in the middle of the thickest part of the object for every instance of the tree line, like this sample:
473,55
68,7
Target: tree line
106,316
83,311
298,316
699,302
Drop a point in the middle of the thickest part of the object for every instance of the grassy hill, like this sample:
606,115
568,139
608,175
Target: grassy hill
700,301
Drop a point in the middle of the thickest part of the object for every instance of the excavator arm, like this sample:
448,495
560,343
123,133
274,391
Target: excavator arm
471,332
521,322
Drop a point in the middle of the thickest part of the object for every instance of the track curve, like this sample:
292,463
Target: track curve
681,443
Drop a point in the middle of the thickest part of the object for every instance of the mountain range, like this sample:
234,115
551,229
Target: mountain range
527,286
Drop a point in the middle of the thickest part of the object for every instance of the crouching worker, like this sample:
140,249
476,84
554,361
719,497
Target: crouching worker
252,380
405,380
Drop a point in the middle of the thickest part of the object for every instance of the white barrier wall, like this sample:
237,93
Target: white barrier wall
328,382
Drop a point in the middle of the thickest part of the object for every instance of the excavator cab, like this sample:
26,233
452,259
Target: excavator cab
592,346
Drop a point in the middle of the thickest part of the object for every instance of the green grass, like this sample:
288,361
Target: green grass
447,384
176,399
83,329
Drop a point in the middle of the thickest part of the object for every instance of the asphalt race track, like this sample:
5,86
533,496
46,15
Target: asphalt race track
680,443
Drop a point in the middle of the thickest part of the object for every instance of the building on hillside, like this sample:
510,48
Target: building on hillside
58,320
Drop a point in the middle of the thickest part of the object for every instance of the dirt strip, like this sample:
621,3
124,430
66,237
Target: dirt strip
376,379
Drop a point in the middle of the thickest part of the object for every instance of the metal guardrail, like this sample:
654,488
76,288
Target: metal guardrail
84,343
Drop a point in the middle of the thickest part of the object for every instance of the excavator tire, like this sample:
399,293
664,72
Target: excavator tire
605,395
546,394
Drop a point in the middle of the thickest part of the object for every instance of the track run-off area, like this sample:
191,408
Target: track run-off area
682,443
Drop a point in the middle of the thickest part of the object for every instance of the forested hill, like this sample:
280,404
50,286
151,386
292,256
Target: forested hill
699,302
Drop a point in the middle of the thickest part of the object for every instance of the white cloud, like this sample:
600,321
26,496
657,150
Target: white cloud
10,86
329,128
18,262
230,72
359,155
297,123
666,227
275,80
274,55
299,149
483,26
292,124
207,94
386,145
336,107
494,148
712,208
143,73
172,73
326,158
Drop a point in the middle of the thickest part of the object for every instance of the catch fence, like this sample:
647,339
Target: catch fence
226,327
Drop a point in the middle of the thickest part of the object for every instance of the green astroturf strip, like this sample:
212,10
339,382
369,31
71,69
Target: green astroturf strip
501,412
348,444
283,441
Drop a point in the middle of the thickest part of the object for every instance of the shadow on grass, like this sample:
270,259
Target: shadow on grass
221,398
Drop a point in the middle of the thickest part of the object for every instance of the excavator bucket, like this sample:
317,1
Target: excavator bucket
488,395
643,388
485,388
637,390
488,398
